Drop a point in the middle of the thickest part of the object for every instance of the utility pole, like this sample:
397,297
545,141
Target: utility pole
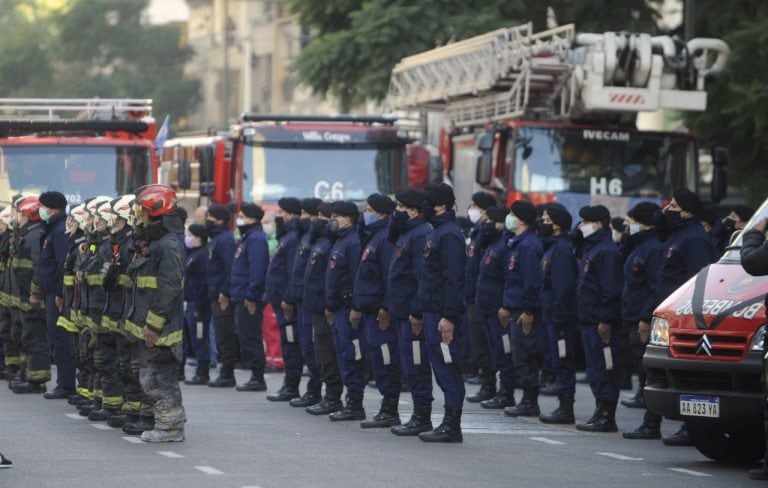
688,19
247,41
225,74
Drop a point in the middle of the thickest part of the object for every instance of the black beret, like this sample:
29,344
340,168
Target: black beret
198,230
524,210
53,199
708,215
483,200
325,209
643,213
688,200
219,212
597,213
381,203
251,210
439,194
310,205
345,208
744,212
290,204
560,216
617,224
232,207
410,198
497,213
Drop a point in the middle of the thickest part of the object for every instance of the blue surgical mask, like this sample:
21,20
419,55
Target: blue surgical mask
189,242
510,222
44,214
370,217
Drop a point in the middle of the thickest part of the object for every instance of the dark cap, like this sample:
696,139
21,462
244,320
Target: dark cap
483,200
410,198
348,209
524,210
310,205
253,211
688,200
744,212
643,213
596,213
439,194
290,204
219,212
381,203
198,230
325,209
560,216
708,215
617,224
53,199
497,213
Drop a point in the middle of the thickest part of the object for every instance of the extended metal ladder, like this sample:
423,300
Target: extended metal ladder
74,108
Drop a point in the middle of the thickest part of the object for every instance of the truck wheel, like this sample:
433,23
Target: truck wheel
738,446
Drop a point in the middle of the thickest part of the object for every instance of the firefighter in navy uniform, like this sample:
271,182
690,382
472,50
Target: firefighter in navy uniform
370,308
34,334
685,251
598,294
521,309
157,308
489,299
313,299
349,340
249,270
478,332
198,311
440,296
754,260
559,270
293,307
221,253
278,277
50,273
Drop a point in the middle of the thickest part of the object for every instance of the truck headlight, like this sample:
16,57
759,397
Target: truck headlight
757,341
659,332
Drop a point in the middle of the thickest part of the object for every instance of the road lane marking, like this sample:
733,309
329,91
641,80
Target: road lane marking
74,416
689,471
209,470
619,456
170,454
133,440
101,427
547,441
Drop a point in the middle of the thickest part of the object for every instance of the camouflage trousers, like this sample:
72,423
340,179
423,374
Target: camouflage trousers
158,376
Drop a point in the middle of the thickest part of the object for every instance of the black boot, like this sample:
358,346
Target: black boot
311,397
226,378
760,473
288,392
59,393
648,430
503,399
448,431
352,411
388,415
145,422
103,414
487,388
89,407
637,401
421,421
256,383
551,389
328,405
180,371
563,414
28,387
603,420
119,420
528,406
679,438
202,376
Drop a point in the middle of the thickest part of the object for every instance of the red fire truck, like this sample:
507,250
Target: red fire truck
80,147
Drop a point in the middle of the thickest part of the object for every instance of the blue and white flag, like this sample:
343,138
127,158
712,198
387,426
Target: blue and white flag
162,136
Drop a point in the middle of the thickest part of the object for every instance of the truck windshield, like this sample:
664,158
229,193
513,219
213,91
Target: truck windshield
329,173
580,164
76,171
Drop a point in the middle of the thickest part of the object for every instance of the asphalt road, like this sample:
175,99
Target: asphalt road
237,439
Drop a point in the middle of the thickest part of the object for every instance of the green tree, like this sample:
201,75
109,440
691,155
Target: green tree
356,43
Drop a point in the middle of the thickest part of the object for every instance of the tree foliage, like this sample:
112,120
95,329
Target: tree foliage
357,42
94,48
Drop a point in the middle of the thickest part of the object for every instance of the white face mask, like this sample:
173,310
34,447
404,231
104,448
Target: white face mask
240,222
587,230
474,214
634,229
510,222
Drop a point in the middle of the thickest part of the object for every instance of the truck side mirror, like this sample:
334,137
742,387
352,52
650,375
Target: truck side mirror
484,168
720,157
206,156
435,169
207,188
185,174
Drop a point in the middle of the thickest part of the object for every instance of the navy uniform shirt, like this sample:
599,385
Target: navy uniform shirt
406,267
250,266
598,291
686,251
369,290
195,278
522,272
313,296
341,270
475,252
559,273
278,273
295,288
641,271
490,277
221,254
